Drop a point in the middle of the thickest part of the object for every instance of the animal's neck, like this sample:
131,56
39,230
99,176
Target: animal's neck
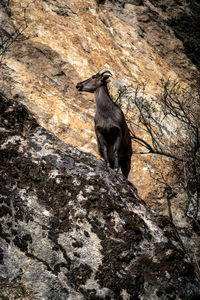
103,100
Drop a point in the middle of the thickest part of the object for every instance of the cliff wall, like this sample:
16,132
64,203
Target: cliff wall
61,42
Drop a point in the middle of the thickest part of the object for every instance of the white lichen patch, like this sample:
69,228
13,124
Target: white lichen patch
58,180
53,173
89,252
85,148
125,295
102,292
155,231
80,197
41,245
45,148
79,212
89,188
90,174
13,140
76,181
118,221
32,203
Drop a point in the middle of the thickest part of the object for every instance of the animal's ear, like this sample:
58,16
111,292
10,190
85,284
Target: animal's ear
105,77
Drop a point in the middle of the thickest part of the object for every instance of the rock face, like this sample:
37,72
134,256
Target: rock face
63,42
170,27
71,229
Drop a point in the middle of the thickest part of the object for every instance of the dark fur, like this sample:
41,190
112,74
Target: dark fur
113,136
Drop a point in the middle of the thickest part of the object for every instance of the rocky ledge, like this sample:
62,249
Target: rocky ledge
71,229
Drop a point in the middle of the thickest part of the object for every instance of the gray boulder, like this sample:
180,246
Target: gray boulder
71,229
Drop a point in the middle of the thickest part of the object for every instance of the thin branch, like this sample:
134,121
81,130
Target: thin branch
7,39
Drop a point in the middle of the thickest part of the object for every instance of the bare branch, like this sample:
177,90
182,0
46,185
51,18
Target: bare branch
10,34
171,123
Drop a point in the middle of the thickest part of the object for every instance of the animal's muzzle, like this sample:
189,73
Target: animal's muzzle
79,86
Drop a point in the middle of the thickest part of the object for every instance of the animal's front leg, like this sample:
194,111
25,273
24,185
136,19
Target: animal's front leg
116,161
105,155
103,147
116,153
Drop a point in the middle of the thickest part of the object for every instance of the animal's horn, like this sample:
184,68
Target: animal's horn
104,71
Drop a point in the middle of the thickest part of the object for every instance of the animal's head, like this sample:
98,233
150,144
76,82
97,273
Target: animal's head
94,82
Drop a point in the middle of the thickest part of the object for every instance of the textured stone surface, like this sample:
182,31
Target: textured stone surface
67,41
71,229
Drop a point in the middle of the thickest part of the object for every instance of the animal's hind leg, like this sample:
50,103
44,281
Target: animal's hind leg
111,164
126,166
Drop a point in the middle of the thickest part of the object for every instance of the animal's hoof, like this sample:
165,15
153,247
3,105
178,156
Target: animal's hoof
107,165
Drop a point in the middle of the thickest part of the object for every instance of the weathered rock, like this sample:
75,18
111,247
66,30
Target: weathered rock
64,41
71,229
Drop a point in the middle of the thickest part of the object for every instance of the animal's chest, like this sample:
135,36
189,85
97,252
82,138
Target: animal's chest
108,131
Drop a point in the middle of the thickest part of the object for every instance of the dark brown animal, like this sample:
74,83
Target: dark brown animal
113,136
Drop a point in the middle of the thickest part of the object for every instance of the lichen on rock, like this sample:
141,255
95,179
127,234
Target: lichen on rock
70,229
62,42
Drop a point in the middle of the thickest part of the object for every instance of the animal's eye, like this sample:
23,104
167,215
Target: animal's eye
93,76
